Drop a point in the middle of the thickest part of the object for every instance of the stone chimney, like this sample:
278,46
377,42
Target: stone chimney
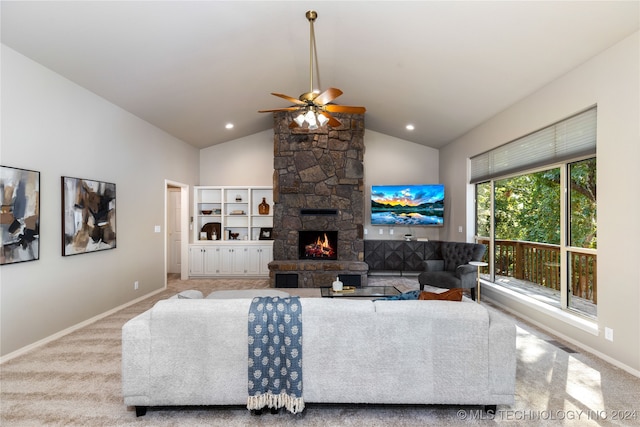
318,184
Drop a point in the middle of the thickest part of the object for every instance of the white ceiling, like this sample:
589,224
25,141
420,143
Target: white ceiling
190,67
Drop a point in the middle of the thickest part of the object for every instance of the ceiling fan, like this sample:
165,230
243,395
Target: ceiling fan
315,108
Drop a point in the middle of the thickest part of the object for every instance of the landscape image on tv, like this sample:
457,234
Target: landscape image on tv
407,205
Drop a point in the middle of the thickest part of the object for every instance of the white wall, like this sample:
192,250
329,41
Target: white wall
609,80
393,161
53,126
387,160
244,161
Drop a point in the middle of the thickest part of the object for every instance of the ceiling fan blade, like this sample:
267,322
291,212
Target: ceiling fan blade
333,122
289,98
279,109
327,96
332,108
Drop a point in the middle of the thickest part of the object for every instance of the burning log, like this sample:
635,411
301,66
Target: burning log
321,248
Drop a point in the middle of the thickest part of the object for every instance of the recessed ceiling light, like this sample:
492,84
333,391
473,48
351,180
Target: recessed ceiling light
410,127
229,126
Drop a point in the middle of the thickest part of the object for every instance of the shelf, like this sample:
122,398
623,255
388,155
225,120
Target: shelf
225,200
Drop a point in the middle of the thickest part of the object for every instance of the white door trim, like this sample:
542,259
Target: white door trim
184,225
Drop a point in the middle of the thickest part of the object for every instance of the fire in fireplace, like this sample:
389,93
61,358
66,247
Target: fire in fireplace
320,245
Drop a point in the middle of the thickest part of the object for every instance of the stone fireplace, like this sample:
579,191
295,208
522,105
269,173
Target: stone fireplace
318,188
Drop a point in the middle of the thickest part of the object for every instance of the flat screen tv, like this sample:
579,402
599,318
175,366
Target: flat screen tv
409,205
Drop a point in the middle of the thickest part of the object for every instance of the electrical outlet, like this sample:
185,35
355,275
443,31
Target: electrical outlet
459,229
157,229
366,231
391,231
135,285
381,231
608,334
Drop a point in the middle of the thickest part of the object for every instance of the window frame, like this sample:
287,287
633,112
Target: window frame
565,218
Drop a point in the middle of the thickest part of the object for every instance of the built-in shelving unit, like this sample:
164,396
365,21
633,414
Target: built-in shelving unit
235,247
236,209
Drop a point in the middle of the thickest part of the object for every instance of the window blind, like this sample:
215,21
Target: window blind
567,139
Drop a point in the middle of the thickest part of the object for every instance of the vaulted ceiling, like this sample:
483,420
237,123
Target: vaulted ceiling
191,67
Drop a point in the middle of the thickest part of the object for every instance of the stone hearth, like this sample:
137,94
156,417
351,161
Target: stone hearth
318,185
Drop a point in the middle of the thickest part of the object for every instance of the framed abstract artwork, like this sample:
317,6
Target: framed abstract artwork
19,215
88,216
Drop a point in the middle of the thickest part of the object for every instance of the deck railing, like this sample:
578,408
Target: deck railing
539,263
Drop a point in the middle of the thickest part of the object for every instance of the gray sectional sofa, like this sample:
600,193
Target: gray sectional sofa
194,352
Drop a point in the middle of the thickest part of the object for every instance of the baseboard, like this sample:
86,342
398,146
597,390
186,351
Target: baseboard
74,328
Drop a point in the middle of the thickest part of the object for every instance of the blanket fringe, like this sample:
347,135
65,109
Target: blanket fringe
282,400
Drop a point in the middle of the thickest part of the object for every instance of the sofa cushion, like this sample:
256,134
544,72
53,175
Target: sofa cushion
454,294
448,345
247,293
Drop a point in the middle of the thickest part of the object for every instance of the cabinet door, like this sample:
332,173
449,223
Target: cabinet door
211,261
196,260
253,259
232,260
266,256
257,260
239,261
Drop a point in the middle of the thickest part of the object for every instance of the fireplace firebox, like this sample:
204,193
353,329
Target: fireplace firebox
318,245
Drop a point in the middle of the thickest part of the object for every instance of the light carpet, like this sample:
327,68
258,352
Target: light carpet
76,381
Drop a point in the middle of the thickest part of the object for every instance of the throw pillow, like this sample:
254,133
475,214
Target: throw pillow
411,295
189,294
454,294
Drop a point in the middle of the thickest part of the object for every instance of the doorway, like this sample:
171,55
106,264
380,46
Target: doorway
176,226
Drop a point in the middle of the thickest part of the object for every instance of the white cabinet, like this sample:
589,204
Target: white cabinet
203,260
234,211
230,259
258,259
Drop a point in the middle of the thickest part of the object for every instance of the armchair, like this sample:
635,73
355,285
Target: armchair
453,270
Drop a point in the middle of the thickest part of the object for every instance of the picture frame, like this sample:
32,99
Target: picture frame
19,215
88,216
266,233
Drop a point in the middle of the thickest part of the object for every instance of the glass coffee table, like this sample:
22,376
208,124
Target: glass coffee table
363,292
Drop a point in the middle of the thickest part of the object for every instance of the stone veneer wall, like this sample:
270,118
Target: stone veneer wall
319,169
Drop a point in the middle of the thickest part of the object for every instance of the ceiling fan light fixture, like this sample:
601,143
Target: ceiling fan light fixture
322,119
315,107
310,118
299,119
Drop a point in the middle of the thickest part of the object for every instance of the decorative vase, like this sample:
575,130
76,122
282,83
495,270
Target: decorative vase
337,285
263,208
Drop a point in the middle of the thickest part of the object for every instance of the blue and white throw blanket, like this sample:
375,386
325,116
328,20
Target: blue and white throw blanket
275,354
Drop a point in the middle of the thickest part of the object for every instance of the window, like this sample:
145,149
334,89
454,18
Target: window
539,221
581,251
